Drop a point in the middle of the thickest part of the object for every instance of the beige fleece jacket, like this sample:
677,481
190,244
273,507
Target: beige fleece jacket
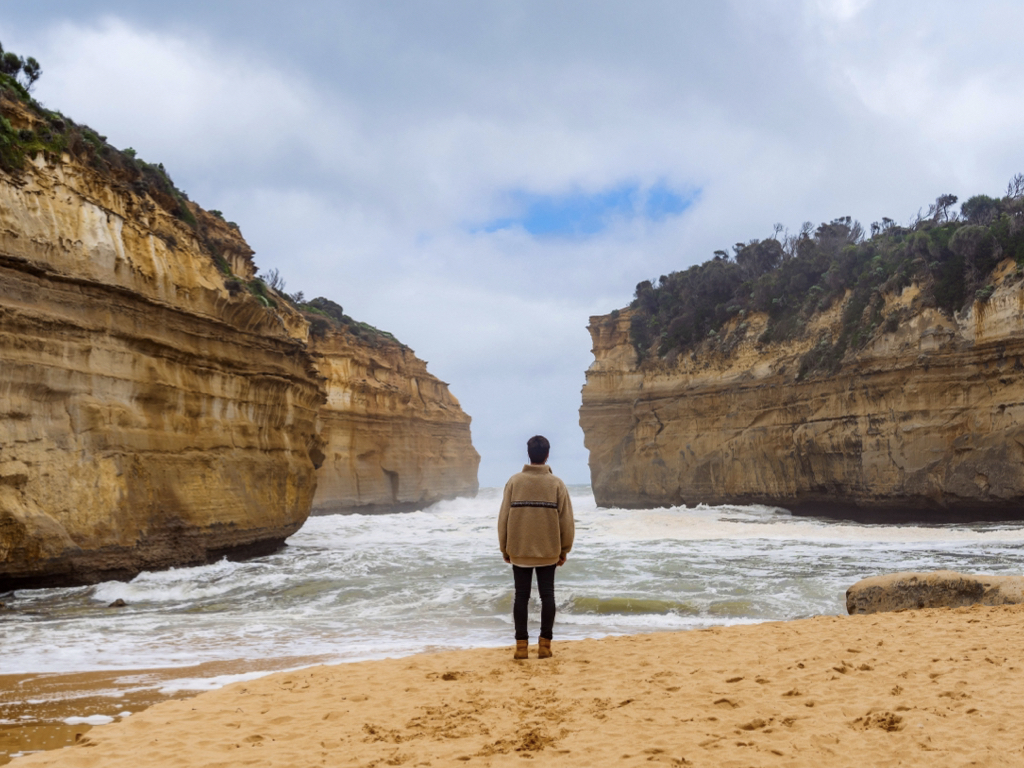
535,525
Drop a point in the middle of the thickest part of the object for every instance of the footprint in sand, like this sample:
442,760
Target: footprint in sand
886,721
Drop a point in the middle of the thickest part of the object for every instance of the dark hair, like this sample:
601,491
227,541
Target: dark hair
538,447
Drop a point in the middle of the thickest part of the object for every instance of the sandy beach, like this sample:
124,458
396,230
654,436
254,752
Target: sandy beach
49,710
930,687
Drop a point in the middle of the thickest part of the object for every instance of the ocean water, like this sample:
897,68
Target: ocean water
351,587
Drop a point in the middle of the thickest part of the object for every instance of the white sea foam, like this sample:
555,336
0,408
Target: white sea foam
211,683
90,720
352,587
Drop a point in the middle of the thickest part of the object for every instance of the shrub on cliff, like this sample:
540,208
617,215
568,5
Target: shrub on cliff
28,129
25,71
327,307
950,256
258,288
324,314
53,134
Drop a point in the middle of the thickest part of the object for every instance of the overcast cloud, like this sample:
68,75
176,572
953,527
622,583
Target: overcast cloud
478,178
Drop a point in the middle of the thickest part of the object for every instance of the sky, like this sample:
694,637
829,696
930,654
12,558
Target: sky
479,178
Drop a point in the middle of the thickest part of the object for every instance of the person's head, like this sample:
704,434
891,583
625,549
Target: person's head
538,447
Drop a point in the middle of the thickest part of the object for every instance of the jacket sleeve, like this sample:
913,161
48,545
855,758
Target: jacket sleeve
566,523
506,507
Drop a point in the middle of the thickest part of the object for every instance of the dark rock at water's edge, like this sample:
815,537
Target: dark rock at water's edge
124,564
936,589
379,509
881,512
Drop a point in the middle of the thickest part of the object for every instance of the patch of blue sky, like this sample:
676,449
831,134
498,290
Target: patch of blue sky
582,214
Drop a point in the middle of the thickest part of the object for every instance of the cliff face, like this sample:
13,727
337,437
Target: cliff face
160,408
395,438
925,421
149,417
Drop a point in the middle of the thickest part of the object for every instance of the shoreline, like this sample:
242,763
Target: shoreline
48,710
928,687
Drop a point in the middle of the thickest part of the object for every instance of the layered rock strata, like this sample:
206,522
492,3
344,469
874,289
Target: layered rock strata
160,407
925,421
937,589
149,417
395,438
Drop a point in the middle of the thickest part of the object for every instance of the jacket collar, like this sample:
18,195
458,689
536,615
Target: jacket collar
541,469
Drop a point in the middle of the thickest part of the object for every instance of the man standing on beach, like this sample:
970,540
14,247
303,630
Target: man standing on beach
535,532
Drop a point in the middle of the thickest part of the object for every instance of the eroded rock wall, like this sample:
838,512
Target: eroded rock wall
148,417
395,437
924,421
153,411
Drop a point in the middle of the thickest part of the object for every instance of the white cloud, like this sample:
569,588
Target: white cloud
359,155
187,103
842,10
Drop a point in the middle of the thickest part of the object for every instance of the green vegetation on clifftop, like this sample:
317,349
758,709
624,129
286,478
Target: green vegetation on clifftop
949,255
28,129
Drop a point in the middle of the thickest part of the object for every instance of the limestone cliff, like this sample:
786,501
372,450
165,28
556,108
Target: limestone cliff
395,438
149,417
925,419
160,407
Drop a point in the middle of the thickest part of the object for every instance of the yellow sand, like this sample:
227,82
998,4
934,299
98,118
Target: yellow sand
929,688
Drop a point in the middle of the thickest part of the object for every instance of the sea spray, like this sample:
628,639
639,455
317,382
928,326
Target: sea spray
358,586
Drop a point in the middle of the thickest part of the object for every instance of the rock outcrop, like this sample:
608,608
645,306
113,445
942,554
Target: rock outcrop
150,418
937,589
158,406
925,421
395,437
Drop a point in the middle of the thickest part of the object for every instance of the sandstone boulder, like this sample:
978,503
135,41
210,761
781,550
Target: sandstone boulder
937,589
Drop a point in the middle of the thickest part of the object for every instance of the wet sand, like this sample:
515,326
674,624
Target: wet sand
918,688
33,708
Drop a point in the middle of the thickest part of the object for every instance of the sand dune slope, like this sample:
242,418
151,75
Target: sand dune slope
930,688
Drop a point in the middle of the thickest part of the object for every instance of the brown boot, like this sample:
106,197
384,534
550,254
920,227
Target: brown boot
543,648
522,649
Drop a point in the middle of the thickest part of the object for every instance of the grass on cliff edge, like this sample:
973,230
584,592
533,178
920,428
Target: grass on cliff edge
324,314
949,254
52,134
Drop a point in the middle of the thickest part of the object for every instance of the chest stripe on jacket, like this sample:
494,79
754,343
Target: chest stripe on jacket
547,504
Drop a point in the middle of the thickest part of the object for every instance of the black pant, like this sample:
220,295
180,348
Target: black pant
546,588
